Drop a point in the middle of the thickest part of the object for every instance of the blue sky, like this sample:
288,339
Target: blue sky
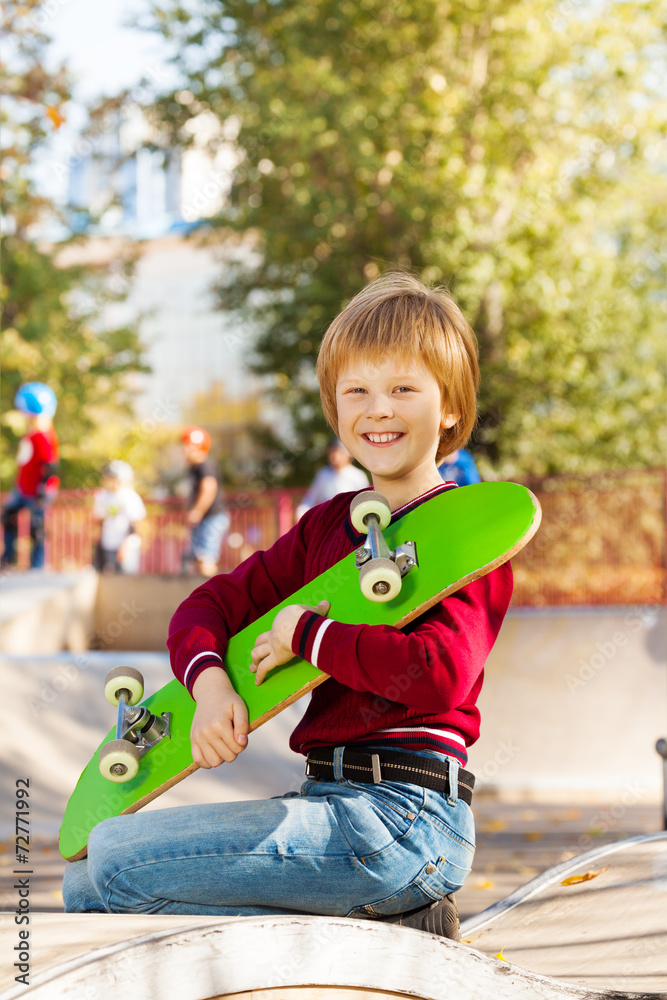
102,53
103,56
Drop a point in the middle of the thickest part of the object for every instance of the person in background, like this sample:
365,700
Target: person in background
339,476
36,481
206,514
118,508
459,468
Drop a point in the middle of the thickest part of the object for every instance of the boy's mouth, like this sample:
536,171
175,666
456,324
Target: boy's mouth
384,438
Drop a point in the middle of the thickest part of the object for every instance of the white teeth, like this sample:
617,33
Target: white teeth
382,438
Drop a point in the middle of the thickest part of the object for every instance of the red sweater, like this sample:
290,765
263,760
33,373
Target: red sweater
37,458
414,688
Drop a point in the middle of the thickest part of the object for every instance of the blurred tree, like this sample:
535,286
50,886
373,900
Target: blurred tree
233,425
52,331
509,149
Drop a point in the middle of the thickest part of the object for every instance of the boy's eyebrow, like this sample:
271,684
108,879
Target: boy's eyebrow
400,377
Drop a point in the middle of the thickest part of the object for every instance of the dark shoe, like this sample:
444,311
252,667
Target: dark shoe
441,918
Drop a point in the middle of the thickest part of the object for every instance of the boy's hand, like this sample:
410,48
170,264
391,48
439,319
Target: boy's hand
275,647
220,725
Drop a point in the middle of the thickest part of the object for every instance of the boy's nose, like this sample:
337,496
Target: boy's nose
378,406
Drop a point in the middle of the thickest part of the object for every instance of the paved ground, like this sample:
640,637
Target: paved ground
514,843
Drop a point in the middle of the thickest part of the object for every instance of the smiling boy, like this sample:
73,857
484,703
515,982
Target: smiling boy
398,379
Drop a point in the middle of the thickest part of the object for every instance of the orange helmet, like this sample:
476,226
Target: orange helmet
198,437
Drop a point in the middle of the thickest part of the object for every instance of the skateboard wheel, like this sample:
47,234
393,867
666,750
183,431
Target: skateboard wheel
380,580
124,677
119,760
369,502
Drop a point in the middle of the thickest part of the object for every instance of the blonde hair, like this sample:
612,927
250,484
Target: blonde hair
396,315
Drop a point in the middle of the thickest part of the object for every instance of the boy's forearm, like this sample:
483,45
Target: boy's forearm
207,493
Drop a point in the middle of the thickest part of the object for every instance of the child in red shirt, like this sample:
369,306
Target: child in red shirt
398,378
37,461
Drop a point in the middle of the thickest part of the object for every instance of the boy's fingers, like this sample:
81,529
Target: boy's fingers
322,608
205,756
268,663
241,726
259,652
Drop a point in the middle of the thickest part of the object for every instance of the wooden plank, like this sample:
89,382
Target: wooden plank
313,993
220,957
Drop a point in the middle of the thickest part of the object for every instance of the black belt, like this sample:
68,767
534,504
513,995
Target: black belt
389,765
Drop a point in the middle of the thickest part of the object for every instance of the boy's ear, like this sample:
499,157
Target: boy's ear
449,419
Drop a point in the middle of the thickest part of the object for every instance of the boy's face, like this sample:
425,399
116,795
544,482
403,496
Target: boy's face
390,417
194,455
111,483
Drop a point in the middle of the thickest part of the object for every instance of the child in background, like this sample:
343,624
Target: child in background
338,476
206,514
37,462
459,468
118,508
398,378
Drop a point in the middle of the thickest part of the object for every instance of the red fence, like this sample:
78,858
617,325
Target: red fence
602,539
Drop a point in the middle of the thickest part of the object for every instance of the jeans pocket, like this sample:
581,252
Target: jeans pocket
435,880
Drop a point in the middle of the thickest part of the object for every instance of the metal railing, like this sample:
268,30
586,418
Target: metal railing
602,538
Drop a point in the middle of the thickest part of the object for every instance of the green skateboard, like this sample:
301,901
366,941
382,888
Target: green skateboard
403,569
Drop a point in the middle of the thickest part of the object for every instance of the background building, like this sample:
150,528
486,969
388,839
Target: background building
133,196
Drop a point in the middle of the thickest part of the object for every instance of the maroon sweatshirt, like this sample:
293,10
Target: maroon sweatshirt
413,688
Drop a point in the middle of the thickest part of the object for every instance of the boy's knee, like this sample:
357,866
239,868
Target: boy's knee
10,517
106,840
79,895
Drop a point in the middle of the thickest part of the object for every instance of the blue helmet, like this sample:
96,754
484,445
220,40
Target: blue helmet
35,398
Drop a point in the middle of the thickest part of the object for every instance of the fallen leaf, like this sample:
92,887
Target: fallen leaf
586,877
500,956
493,826
475,938
484,883
533,835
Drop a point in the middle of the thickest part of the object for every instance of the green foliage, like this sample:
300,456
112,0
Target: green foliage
52,330
509,149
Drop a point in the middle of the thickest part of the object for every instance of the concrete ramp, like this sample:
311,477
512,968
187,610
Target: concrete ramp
43,612
604,936
597,919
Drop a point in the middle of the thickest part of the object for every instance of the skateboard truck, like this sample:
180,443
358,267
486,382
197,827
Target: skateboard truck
381,569
137,729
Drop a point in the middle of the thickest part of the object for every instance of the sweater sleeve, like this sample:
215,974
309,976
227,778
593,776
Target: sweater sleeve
434,662
203,624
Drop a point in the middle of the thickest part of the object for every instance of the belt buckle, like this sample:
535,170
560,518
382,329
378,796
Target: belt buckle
307,772
375,765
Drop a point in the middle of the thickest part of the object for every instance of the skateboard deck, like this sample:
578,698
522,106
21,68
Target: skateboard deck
460,535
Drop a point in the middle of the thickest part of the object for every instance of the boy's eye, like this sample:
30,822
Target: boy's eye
404,388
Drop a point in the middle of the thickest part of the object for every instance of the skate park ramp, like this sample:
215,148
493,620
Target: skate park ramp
599,919
594,926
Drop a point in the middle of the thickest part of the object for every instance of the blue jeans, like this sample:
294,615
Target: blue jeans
336,847
206,537
37,507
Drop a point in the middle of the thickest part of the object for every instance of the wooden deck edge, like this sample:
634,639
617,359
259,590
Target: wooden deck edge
258,953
